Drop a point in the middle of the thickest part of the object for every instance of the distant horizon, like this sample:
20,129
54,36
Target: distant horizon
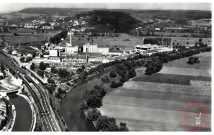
16,7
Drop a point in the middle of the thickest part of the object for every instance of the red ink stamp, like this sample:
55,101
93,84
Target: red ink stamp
193,114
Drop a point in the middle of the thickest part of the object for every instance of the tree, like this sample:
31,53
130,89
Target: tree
94,102
116,84
123,127
83,106
93,114
10,51
197,60
105,123
101,90
22,59
128,64
79,70
40,72
51,88
83,75
63,73
42,66
2,67
28,59
153,66
113,74
50,80
54,69
191,60
131,73
100,68
105,79
60,91
32,66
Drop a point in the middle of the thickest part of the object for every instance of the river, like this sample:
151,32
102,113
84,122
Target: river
70,107
23,113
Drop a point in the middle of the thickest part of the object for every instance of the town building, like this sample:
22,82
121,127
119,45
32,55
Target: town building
93,48
115,53
145,47
70,50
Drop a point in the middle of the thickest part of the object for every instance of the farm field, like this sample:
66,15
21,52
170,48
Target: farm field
150,103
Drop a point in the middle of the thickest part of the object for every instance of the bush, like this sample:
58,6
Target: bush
113,74
116,84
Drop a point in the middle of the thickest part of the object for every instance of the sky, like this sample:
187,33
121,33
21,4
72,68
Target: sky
11,7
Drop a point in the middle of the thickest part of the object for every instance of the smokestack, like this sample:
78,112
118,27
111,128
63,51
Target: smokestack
87,54
70,39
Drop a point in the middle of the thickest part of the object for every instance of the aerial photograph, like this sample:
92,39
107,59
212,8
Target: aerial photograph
93,67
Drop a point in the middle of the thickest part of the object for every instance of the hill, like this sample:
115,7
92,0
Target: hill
110,21
55,11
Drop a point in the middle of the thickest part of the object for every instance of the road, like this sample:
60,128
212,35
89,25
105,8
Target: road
38,93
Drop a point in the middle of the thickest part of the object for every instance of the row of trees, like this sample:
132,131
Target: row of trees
92,99
155,65
158,41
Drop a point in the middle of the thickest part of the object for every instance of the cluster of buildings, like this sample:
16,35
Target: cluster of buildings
51,24
3,111
69,56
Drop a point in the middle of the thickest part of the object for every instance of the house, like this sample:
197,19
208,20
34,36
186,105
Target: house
104,50
1,75
115,52
157,29
14,52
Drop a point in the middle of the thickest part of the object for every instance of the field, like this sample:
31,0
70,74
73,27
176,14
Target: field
150,103
129,45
